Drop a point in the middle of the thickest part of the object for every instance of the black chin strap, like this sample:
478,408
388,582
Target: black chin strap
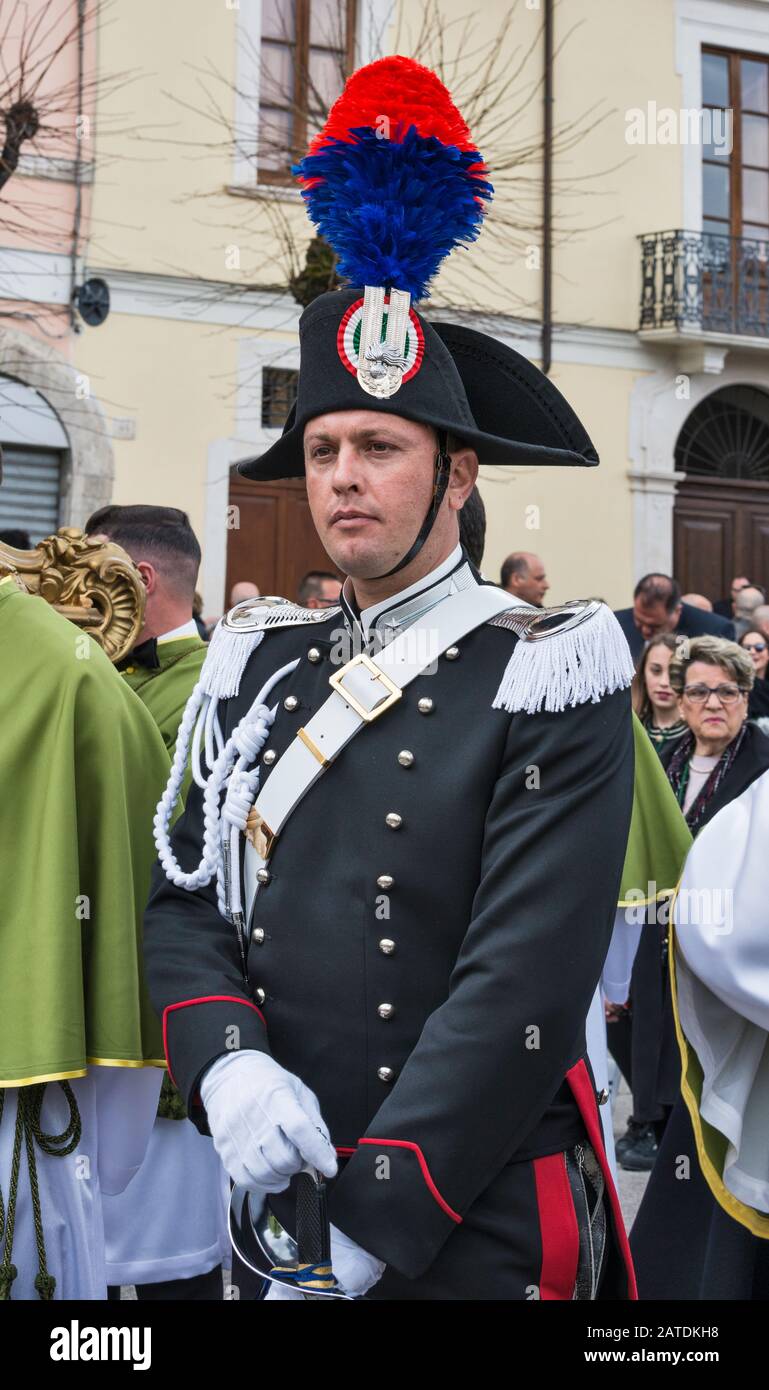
440,483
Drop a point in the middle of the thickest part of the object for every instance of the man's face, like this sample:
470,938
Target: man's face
369,482
739,583
532,585
652,619
328,596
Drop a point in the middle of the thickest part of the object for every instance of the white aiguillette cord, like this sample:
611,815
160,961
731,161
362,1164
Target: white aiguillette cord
363,689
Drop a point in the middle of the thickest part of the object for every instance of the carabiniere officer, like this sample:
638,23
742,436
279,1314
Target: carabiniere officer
375,933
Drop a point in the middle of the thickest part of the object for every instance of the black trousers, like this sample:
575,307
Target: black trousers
200,1288
684,1244
519,1241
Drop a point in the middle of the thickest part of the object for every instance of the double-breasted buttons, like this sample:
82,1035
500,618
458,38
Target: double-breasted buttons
425,705
263,876
290,702
385,1074
602,1096
385,881
259,995
314,654
257,936
405,757
393,820
385,1010
268,757
386,946
451,653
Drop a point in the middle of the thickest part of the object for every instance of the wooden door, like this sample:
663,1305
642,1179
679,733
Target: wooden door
273,541
720,528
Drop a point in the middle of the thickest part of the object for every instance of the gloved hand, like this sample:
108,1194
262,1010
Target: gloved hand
265,1123
356,1270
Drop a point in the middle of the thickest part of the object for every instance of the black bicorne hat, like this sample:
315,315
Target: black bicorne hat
454,378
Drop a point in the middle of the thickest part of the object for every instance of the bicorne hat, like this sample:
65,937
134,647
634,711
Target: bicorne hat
393,182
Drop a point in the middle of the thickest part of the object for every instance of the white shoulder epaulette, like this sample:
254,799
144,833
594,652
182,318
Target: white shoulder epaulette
239,633
565,656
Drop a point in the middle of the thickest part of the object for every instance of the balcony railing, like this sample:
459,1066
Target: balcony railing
699,282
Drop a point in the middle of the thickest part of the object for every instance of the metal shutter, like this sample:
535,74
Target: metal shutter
29,493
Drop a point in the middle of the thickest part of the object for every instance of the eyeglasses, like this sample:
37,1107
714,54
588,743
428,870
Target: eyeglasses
727,694
754,646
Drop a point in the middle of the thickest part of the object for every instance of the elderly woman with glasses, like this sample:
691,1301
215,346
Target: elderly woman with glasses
721,754
686,1244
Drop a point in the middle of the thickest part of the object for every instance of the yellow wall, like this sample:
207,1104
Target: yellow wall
161,207
177,380
585,532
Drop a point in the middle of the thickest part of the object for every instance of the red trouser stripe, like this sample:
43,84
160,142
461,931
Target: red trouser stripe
584,1094
558,1228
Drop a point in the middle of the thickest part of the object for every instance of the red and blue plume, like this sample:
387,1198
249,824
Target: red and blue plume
393,181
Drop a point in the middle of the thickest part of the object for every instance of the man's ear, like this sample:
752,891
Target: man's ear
149,576
464,472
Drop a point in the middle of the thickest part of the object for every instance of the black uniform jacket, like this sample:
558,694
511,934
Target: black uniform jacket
487,945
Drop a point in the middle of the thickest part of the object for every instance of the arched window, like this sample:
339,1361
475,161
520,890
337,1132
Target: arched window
727,436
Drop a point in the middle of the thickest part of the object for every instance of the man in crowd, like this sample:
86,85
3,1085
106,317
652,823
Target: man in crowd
725,606
472,527
319,589
523,576
658,607
242,590
165,1234
169,653
748,601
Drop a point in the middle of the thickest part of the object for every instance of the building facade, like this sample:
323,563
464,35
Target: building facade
626,249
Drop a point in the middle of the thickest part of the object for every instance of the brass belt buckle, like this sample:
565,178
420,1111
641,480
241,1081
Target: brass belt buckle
368,715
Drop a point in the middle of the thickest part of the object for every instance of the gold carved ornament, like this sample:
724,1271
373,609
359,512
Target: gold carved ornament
87,579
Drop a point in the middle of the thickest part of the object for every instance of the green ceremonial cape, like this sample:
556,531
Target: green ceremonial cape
659,837
165,691
82,767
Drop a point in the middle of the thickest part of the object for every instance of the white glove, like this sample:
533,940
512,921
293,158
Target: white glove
265,1123
355,1269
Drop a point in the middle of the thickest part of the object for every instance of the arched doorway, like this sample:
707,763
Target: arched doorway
721,516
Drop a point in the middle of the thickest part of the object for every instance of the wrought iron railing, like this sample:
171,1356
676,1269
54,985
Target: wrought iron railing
702,281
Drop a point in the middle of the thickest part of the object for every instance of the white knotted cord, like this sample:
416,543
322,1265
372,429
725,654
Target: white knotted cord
233,757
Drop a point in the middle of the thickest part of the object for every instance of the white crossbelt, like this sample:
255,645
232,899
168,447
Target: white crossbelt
362,690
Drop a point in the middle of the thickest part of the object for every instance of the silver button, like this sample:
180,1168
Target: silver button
385,1010
269,757
314,654
257,936
386,946
290,702
385,1073
602,1096
425,705
393,820
451,653
259,996
263,876
405,758
385,881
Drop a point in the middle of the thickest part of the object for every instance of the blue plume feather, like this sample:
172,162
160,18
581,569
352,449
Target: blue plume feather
392,210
